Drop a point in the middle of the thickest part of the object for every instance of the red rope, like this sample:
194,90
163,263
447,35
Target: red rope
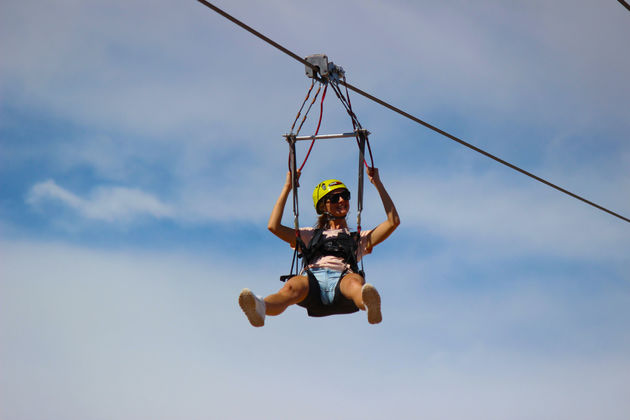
321,112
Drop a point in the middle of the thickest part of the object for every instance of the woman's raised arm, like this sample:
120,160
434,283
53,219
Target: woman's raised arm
382,231
275,226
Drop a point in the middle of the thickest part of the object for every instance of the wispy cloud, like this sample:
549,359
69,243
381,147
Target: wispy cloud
511,217
110,204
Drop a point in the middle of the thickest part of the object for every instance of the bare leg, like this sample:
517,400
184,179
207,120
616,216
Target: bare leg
294,291
365,296
351,285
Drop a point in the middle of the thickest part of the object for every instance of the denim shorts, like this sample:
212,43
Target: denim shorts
327,280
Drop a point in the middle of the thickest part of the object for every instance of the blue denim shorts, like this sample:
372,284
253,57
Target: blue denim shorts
328,280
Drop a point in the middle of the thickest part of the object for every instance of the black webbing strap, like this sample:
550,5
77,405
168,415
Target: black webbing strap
296,209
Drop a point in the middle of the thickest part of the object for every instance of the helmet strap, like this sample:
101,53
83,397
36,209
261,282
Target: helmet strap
329,216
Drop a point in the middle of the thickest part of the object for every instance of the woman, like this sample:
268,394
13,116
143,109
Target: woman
331,262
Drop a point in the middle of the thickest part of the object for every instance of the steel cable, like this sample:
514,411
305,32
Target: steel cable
321,112
308,94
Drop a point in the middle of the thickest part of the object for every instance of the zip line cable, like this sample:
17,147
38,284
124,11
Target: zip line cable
411,117
624,4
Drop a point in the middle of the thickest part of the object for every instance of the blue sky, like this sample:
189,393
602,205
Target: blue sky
141,152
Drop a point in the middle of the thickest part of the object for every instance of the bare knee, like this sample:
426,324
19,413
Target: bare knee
296,288
294,291
350,287
352,280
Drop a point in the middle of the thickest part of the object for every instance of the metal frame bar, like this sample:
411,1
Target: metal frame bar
362,139
353,134
360,135
294,183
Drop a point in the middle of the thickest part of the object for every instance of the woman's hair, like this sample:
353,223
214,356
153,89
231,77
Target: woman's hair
322,221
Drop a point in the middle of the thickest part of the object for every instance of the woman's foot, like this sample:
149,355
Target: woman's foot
372,302
253,306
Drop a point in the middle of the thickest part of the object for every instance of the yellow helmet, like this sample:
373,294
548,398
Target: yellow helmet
324,188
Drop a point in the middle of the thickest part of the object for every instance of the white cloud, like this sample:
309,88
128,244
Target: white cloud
205,72
114,66
111,204
123,335
510,217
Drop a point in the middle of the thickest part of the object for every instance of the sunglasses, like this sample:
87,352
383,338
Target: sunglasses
334,198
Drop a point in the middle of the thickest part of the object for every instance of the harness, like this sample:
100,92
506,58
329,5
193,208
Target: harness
344,246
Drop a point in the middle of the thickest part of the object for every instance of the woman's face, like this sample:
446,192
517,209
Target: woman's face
338,203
